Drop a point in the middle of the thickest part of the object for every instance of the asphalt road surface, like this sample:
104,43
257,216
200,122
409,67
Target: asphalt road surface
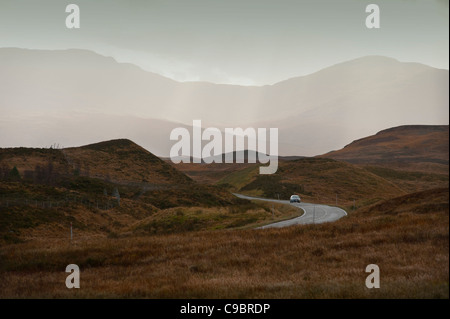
313,213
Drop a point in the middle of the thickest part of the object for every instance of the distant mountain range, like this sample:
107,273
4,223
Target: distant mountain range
76,97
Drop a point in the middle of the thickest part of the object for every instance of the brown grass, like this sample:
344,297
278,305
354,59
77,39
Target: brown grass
316,180
209,173
123,161
411,247
182,219
411,147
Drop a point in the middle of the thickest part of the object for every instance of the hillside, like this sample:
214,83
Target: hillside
123,161
213,172
398,160
120,161
315,180
209,173
109,189
426,202
411,147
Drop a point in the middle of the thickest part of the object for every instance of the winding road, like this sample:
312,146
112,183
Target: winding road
313,213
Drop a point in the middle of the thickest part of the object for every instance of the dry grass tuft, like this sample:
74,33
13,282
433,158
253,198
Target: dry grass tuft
411,248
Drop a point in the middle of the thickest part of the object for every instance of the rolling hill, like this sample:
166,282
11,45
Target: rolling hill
410,147
395,161
315,180
103,189
119,161
431,201
123,161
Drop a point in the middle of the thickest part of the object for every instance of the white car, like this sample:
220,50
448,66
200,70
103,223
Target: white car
295,199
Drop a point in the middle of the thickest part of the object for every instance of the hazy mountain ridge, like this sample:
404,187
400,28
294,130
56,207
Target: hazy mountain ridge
43,92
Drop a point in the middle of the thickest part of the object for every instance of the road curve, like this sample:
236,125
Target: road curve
313,213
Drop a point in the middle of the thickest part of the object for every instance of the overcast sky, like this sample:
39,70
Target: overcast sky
242,42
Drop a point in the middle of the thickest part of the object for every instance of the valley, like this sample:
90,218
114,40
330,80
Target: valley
144,227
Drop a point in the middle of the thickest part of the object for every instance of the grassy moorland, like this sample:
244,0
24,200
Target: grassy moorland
29,211
395,161
144,229
407,237
111,188
318,180
416,148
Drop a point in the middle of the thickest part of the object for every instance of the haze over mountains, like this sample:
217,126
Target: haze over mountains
76,97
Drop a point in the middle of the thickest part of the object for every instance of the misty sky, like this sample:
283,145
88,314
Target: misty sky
243,42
